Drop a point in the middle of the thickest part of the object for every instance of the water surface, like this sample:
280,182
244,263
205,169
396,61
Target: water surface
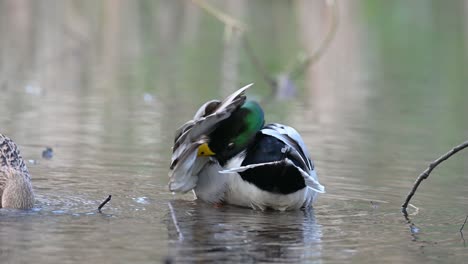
106,85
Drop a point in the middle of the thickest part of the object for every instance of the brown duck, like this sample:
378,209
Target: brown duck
15,181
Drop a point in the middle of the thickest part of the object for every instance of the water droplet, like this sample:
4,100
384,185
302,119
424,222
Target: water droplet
141,200
33,89
148,97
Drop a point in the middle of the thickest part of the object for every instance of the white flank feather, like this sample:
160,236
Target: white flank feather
309,178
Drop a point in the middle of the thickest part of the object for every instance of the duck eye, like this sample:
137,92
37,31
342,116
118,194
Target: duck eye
230,145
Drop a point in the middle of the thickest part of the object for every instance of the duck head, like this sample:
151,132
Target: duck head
234,134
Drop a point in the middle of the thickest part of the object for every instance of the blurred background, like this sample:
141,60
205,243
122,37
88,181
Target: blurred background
377,88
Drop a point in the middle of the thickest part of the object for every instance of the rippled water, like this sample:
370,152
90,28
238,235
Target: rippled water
371,112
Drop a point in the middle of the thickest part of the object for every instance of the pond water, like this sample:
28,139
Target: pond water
105,86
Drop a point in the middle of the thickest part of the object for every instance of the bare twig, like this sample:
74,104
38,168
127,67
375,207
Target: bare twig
227,20
414,230
104,203
318,53
461,231
428,171
174,220
461,228
292,72
258,65
233,24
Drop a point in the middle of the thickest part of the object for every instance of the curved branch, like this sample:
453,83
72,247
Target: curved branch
318,53
258,65
221,16
428,171
234,24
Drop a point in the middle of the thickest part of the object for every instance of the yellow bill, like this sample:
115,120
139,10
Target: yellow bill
204,150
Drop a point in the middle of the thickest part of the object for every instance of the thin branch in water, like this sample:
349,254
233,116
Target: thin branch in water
461,231
414,230
461,228
428,171
174,220
104,203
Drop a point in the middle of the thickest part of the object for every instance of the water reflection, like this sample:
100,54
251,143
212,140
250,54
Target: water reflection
233,234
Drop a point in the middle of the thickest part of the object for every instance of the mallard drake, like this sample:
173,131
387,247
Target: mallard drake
227,155
15,181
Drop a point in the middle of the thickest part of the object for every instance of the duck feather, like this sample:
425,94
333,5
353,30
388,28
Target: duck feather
184,163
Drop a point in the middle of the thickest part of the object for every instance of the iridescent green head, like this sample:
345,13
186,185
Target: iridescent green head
235,133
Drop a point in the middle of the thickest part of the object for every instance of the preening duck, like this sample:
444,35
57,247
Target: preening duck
15,181
227,155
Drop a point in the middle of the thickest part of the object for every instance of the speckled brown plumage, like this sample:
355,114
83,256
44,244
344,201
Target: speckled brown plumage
15,180
10,156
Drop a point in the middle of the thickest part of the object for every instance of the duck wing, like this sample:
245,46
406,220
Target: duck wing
269,156
184,162
290,137
298,150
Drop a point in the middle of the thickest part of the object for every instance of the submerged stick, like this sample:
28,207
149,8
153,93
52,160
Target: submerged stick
428,171
104,203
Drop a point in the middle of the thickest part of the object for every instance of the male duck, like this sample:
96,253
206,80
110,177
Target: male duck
227,155
15,182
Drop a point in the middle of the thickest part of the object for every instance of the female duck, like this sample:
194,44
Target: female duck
227,155
15,182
